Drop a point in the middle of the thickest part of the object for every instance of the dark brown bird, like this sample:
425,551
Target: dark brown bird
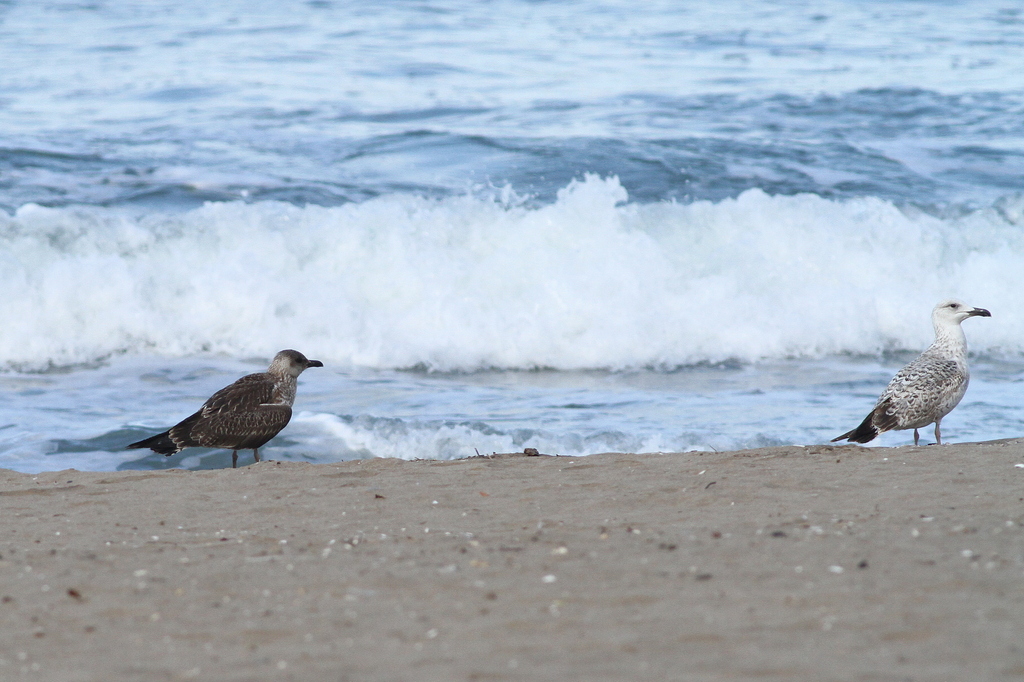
242,416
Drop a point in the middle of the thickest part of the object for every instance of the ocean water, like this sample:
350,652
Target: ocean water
576,226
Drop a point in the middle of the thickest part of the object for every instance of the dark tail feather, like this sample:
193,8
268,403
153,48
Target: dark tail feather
160,443
865,433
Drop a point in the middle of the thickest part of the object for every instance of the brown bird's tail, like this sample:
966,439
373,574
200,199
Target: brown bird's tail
160,443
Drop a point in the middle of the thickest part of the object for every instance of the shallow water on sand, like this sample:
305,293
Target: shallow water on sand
83,418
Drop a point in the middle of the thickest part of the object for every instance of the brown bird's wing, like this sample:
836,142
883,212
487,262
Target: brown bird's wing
242,430
245,395
239,416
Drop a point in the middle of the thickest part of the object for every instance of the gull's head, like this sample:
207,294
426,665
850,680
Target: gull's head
291,363
953,312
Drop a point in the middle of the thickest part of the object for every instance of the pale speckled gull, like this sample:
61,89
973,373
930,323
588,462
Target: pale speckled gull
928,388
242,416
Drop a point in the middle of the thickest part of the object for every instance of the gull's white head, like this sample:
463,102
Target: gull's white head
952,312
291,362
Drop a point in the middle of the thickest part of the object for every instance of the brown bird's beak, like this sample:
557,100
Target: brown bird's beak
317,363
979,312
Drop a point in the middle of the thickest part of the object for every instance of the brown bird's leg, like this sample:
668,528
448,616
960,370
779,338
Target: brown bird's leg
916,437
234,459
256,453
938,436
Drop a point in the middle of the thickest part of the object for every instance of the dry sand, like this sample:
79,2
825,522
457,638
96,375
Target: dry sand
816,563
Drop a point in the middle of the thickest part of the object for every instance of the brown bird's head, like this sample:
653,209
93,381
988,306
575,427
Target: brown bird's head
291,362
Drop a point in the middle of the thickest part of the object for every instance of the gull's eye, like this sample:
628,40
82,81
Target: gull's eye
954,306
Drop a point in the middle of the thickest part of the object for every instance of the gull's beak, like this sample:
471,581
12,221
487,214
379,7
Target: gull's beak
317,363
979,312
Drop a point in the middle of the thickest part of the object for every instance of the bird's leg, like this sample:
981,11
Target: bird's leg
938,436
916,437
256,453
234,459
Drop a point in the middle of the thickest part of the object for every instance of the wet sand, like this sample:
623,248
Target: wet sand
791,563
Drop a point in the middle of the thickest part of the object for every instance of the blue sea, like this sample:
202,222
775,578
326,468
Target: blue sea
579,226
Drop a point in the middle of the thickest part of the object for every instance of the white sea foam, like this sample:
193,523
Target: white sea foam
334,438
462,283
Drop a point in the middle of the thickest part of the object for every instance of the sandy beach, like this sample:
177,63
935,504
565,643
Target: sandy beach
790,563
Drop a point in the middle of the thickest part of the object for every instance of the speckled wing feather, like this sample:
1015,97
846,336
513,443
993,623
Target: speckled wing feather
925,390
239,416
